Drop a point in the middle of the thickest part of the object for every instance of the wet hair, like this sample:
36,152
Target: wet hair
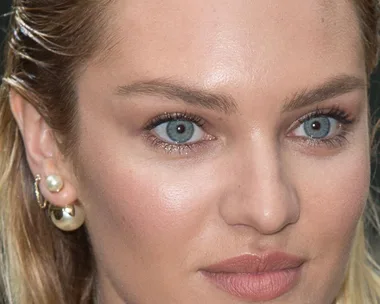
48,45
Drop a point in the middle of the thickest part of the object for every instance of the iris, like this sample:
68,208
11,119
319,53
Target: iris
318,127
180,131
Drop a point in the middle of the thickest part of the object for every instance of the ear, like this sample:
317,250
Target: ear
42,152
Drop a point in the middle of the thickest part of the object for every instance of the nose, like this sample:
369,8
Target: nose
261,193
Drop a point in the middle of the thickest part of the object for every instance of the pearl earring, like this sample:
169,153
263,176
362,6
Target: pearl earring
54,183
69,218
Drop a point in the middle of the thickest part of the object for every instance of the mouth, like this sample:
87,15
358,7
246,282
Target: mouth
256,278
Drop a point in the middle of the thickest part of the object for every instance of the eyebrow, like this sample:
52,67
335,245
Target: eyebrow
332,88
226,104
197,97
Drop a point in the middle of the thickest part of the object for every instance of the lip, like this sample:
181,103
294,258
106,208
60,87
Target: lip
254,277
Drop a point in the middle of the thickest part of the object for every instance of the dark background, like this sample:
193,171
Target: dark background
374,92
4,8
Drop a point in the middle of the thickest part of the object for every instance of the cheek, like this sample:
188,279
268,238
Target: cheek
157,201
333,196
334,201
334,189
146,209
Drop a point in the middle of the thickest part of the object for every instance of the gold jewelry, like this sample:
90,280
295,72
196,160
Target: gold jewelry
54,183
42,204
69,218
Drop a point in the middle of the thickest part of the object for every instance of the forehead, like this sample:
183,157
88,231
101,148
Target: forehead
218,42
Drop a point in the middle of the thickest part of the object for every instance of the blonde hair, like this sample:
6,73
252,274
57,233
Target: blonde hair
48,42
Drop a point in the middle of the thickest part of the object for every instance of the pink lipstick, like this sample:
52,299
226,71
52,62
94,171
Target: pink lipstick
256,278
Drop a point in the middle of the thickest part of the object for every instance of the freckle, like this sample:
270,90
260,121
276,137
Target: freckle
323,20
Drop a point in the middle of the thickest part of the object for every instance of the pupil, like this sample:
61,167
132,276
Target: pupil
316,125
181,129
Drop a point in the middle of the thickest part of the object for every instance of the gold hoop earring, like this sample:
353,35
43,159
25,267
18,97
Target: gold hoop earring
69,218
41,203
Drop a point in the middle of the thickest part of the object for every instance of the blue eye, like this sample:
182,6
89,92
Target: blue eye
179,132
318,127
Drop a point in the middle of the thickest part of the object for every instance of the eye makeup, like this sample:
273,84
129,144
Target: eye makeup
335,116
175,147
344,123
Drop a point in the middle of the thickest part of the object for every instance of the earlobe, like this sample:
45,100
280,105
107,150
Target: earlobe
56,187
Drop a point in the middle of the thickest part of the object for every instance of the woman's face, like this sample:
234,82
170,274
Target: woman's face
223,152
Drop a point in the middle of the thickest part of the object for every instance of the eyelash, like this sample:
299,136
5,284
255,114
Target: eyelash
341,116
171,147
174,116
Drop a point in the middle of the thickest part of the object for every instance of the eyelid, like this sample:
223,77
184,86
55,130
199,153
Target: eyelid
343,118
177,148
162,128
336,112
167,116
180,149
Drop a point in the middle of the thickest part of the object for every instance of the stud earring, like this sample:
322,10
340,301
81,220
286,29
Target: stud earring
69,218
54,183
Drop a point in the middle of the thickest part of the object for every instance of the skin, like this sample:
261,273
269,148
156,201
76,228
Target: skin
254,185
